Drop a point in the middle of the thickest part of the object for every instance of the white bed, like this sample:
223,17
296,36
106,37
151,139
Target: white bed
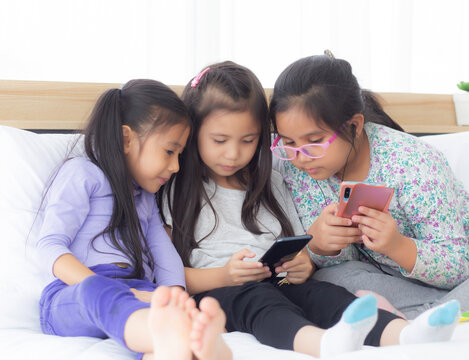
26,160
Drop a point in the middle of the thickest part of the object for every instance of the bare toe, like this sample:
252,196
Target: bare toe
211,307
169,324
160,296
207,327
189,305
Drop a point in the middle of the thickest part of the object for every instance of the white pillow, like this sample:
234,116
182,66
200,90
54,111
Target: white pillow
26,163
456,149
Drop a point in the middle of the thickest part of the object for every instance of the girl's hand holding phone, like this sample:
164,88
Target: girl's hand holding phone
380,231
299,269
332,233
238,271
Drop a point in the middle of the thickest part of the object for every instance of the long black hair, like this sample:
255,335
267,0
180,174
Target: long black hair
325,88
143,105
226,86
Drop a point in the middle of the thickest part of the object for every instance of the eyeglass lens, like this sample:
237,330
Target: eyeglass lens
311,150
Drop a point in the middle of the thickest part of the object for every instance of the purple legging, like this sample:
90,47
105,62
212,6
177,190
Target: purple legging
99,306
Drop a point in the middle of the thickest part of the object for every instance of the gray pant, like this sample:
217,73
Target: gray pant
410,296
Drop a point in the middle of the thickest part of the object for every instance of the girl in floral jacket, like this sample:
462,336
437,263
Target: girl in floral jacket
329,130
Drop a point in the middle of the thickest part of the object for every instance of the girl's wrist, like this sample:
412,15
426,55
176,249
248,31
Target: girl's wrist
315,251
404,253
225,278
310,252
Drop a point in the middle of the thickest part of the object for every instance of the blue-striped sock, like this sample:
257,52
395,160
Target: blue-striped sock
350,332
436,324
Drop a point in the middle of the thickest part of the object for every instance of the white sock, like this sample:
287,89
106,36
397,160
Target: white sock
350,332
436,324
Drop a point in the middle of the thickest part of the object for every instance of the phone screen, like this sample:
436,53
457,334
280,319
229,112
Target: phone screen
283,249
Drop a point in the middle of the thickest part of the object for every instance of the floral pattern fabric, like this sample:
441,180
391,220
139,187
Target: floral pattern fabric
429,205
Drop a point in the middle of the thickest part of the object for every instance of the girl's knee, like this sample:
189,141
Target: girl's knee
356,265
91,283
332,291
96,287
256,287
346,270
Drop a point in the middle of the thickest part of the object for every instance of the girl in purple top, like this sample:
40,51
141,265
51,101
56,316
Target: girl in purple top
102,237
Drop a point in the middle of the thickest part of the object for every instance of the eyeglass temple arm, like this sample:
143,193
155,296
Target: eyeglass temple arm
333,137
274,144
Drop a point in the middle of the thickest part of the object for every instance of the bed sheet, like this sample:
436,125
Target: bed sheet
26,344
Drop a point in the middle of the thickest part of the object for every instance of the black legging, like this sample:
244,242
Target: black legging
274,314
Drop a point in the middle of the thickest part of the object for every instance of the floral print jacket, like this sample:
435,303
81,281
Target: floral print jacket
429,205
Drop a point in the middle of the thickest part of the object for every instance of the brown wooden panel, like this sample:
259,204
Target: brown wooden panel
47,105
432,113
67,105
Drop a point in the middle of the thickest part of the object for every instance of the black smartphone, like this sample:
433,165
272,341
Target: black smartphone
282,250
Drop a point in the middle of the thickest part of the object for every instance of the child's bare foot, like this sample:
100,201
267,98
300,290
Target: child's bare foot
207,327
170,323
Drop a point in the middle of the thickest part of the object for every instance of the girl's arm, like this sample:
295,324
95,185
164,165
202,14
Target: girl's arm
67,207
70,270
169,270
235,272
332,239
200,280
442,252
431,244
435,204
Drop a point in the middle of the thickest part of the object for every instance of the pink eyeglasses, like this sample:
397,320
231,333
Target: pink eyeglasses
313,151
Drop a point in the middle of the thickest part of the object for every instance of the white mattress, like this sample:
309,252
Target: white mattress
25,344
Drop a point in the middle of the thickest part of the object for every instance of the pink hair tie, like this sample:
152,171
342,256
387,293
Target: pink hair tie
196,80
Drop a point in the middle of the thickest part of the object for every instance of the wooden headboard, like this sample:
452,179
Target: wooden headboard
47,105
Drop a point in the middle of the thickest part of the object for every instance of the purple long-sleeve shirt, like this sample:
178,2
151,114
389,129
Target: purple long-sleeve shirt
79,206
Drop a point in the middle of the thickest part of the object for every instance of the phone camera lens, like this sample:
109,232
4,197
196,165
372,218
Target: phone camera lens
347,193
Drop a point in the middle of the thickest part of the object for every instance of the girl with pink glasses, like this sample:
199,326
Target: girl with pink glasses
329,130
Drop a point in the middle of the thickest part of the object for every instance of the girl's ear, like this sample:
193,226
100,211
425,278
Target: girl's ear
127,137
357,122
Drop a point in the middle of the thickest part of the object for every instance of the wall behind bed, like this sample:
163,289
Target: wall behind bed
65,106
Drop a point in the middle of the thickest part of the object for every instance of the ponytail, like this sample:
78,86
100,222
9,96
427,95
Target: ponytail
373,111
104,146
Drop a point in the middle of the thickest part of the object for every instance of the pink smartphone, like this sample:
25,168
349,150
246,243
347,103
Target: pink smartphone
355,194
